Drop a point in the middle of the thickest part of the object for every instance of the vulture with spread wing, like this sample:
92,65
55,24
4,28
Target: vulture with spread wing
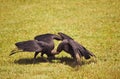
42,43
73,48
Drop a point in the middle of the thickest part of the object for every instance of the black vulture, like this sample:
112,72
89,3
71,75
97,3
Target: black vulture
73,48
42,43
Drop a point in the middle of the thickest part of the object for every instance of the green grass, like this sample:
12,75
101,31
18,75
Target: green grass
93,23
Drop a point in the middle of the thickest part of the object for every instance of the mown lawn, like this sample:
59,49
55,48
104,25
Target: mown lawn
93,23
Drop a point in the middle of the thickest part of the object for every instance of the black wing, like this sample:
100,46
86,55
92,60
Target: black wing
77,48
47,37
76,51
30,46
44,37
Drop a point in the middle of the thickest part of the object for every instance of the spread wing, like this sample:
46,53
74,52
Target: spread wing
47,37
77,48
30,46
44,37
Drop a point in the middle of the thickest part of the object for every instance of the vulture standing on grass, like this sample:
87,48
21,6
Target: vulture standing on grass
42,43
73,48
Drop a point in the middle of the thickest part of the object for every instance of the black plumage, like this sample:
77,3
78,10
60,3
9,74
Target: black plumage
46,41
70,46
42,43
30,46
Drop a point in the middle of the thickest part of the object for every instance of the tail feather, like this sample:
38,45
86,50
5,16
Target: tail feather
86,53
90,53
15,51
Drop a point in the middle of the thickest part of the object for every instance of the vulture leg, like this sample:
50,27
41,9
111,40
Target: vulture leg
36,53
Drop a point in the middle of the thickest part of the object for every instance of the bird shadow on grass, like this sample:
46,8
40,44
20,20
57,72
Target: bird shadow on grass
64,60
26,61
71,62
